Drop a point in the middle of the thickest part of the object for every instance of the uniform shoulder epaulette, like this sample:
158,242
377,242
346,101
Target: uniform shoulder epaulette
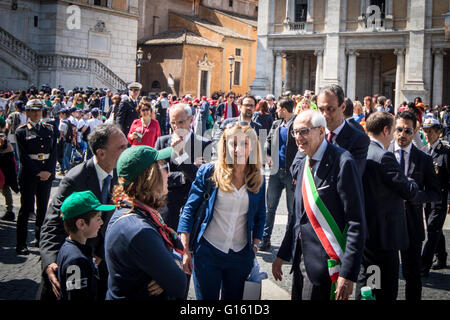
22,126
445,143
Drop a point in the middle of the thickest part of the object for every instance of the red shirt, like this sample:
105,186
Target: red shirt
150,133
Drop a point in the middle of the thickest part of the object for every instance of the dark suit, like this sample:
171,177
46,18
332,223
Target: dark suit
339,187
103,102
436,212
126,115
421,170
113,109
352,140
385,187
80,178
181,176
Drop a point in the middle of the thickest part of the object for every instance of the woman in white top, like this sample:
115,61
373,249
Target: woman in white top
226,244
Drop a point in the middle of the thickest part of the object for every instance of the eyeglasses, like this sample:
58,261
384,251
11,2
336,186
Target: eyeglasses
407,131
249,105
178,123
303,132
230,97
145,109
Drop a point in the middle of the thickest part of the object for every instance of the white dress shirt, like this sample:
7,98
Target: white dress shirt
336,131
101,174
228,227
406,154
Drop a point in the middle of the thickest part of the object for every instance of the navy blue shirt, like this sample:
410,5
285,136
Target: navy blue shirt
77,273
136,254
284,131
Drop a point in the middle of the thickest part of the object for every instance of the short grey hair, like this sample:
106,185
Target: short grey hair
98,138
187,109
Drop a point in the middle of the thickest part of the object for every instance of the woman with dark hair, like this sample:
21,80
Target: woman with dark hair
139,246
368,107
144,130
263,116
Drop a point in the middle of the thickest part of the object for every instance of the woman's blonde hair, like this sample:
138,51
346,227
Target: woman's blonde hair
146,188
223,167
359,107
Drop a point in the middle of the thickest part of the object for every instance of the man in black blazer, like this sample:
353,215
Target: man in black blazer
436,212
331,104
127,109
336,178
418,166
97,175
385,189
187,157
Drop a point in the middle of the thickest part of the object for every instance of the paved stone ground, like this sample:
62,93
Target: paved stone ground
20,275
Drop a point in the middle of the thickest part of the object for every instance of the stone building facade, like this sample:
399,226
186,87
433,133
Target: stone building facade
399,48
69,43
193,44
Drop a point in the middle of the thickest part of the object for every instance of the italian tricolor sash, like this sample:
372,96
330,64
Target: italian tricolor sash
328,232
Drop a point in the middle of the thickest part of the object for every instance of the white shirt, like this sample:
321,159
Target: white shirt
101,174
228,227
406,154
318,156
92,123
63,127
336,131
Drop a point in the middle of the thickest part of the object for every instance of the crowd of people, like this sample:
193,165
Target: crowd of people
157,188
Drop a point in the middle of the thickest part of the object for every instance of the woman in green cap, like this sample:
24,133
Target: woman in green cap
139,247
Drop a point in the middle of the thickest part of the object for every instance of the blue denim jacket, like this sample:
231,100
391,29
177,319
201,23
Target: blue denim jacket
256,208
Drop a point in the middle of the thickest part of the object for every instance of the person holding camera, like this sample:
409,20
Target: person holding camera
144,130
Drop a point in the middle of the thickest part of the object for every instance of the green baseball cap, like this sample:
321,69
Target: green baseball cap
81,202
134,160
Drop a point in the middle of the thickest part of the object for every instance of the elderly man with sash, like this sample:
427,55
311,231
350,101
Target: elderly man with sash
328,222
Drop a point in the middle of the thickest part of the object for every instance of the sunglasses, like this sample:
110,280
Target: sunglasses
165,166
303,132
144,110
407,131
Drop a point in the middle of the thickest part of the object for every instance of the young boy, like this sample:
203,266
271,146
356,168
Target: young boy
77,272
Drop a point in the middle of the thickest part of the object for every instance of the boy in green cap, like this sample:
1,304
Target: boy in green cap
77,272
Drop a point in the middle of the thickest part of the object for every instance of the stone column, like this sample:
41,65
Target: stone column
319,70
288,73
298,73
399,77
306,73
332,53
376,75
351,73
438,76
277,77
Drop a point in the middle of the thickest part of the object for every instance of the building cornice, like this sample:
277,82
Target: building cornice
101,9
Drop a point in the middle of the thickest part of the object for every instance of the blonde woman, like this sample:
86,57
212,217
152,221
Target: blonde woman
358,111
229,236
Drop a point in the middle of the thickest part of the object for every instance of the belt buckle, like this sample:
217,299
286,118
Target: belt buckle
41,156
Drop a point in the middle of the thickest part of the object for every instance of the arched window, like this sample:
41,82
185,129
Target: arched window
156,85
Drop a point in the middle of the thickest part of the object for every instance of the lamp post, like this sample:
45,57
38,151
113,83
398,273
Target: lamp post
139,60
231,61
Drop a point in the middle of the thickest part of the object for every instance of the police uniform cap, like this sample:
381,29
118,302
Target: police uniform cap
135,85
135,160
431,123
73,109
82,202
34,104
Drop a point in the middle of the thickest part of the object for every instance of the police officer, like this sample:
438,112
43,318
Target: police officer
127,113
36,141
436,212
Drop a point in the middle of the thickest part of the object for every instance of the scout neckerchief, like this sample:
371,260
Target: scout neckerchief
325,227
169,236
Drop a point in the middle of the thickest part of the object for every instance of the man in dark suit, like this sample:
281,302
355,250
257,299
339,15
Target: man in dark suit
418,166
332,173
127,109
348,115
184,163
187,157
385,189
97,175
436,212
331,104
